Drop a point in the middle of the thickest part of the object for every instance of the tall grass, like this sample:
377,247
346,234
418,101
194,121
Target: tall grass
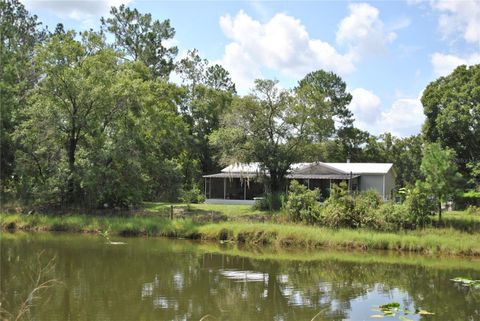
125,226
435,241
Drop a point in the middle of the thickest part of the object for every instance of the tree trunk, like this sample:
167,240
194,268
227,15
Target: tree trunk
440,212
71,190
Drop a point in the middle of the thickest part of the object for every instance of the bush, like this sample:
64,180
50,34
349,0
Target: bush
393,217
470,198
271,202
302,204
193,195
339,208
472,210
419,206
364,212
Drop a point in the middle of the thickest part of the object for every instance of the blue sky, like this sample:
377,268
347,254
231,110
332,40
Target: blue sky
386,51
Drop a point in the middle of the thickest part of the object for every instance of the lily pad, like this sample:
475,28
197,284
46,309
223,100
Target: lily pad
467,282
425,312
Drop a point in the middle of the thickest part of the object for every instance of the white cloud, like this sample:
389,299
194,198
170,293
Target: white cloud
403,118
282,44
79,10
365,105
363,31
459,16
444,64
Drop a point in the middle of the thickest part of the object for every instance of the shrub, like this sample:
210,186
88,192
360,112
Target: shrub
472,210
364,212
339,208
393,217
271,202
419,206
302,204
193,195
470,198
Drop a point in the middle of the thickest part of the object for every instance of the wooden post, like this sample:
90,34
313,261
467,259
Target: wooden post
245,189
308,183
171,212
205,188
224,188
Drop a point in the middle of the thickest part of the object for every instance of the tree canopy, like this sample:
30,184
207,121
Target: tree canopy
273,127
93,118
441,177
452,109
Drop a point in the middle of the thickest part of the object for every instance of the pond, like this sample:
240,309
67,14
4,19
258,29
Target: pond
161,279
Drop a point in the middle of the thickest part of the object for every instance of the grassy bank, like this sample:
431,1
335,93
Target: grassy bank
446,241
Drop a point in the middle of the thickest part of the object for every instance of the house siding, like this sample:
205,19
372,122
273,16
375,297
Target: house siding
371,181
390,185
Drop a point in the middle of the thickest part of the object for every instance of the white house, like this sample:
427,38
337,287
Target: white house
240,183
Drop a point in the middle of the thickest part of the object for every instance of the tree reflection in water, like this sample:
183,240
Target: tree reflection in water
154,279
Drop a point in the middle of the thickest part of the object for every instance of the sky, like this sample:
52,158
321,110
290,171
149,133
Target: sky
387,52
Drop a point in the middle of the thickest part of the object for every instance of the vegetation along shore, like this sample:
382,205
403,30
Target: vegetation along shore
458,236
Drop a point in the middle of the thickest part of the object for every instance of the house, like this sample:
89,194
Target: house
241,183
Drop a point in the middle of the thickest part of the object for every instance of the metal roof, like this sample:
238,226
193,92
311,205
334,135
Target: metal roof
232,175
290,176
323,176
363,168
347,168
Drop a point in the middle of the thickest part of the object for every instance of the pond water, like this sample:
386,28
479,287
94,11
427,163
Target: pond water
159,279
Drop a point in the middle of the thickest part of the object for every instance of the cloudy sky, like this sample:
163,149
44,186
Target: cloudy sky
386,51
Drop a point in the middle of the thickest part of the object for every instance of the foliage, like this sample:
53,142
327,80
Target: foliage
194,195
472,210
142,39
19,34
452,109
85,116
420,206
466,199
302,204
363,210
209,95
440,173
339,208
273,126
393,217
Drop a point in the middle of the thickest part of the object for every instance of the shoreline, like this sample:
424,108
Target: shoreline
429,241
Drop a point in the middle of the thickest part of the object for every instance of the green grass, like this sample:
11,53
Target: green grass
460,220
431,241
446,241
230,210
125,226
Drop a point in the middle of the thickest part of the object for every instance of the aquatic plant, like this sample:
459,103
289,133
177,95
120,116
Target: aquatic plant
467,282
391,309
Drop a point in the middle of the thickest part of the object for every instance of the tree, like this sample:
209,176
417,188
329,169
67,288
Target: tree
324,94
142,39
209,95
90,110
19,33
274,127
406,156
452,108
71,101
440,173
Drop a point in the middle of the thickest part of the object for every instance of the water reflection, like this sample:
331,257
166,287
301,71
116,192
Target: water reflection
169,280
